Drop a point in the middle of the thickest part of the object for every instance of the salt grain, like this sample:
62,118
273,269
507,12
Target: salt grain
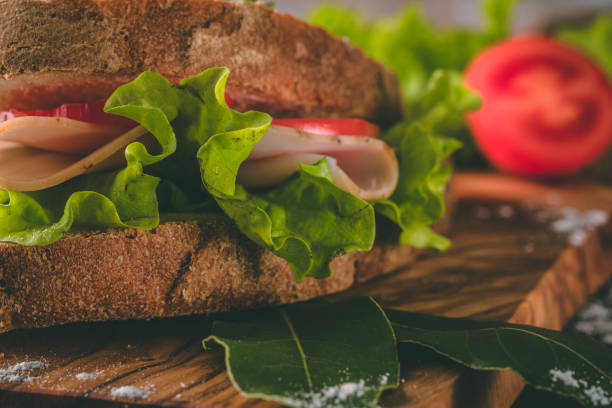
566,377
598,396
130,392
576,224
88,376
330,397
21,372
595,311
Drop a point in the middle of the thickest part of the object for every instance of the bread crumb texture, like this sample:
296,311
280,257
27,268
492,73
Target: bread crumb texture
59,51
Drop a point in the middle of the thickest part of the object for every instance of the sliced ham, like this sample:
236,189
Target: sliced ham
25,168
363,166
41,152
59,135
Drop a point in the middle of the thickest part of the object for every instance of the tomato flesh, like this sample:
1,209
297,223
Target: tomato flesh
331,126
93,112
547,109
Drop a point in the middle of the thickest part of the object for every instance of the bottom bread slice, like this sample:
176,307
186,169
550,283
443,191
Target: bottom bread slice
176,269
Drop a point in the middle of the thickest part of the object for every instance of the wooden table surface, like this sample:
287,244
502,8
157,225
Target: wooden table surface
505,264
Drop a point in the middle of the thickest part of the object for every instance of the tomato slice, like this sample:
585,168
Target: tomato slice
92,112
331,126
547,109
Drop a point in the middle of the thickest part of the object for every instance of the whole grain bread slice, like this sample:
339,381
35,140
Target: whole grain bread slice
59,51
176,269
179,268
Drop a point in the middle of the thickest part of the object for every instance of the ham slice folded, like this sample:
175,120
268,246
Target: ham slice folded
41,152
60,135
363,166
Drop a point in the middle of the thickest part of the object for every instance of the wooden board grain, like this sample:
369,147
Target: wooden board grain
504,265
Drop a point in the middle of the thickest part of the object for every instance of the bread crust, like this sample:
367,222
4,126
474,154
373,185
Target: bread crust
59,51
177,269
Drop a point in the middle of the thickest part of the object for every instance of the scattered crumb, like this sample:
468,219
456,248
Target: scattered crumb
130,392
22,372
529,247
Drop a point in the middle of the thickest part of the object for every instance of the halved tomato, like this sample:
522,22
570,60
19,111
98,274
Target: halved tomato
547,109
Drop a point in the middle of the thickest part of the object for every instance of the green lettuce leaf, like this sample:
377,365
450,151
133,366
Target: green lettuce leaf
422,148
410,44
308,220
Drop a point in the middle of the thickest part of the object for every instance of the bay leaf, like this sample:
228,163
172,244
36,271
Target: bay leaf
567,364
311,354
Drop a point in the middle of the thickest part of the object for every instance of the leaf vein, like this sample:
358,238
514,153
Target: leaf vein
299,347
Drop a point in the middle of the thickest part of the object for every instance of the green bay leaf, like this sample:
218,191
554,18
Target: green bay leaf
564,363
311,355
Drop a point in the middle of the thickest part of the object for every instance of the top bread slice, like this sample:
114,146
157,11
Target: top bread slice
59,51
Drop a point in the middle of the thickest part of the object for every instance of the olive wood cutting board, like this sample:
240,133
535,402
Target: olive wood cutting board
506,263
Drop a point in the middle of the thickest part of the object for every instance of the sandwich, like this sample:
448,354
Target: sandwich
166,158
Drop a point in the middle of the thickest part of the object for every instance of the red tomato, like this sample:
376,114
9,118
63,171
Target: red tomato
546,110
92,112
331,126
